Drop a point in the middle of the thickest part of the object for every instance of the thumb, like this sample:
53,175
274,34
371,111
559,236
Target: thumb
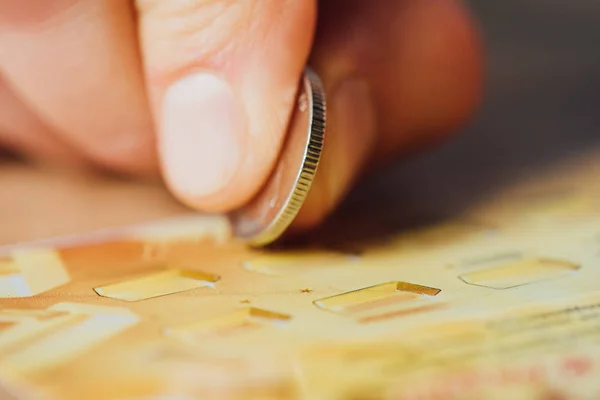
222,77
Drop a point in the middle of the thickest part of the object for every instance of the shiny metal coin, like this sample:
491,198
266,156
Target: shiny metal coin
265,218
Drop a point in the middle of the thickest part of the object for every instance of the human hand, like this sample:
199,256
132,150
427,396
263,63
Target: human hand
200,91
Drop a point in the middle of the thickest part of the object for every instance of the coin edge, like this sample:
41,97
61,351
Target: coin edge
310,164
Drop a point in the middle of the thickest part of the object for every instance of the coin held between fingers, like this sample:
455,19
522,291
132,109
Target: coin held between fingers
269,214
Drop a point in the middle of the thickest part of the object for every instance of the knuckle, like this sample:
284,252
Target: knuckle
186,31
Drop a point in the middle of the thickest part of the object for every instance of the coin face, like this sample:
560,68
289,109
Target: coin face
267,216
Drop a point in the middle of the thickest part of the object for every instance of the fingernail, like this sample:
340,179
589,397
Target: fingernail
201,135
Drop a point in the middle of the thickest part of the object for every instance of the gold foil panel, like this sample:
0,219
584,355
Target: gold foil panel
34,344
382,301
229,324
158,284
519,273
31,272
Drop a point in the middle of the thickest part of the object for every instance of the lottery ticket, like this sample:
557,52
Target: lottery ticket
498,302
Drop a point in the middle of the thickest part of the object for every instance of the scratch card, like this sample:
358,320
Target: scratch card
501,302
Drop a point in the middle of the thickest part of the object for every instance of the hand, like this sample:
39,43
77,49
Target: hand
200,91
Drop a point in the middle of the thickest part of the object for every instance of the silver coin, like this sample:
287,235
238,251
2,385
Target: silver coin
269,214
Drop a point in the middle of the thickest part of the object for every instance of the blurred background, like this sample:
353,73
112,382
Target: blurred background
541,110
543,94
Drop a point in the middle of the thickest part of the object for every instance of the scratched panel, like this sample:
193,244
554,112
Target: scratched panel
27,273
232,323
33,344
158,284
519,273
380,301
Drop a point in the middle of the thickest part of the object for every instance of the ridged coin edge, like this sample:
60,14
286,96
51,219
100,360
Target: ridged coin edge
309,168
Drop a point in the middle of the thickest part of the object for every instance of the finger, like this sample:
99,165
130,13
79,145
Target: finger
22,132
75,63
397,73
223,78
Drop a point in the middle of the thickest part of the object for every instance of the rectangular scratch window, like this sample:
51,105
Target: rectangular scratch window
32,345
157,284
519,273
228,324
31,272
379,300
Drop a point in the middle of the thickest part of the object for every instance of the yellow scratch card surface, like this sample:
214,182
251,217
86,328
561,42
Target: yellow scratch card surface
502,302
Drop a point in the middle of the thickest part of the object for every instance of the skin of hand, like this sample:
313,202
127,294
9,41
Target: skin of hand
198,93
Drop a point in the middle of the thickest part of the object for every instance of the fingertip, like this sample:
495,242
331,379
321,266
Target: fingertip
222,98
